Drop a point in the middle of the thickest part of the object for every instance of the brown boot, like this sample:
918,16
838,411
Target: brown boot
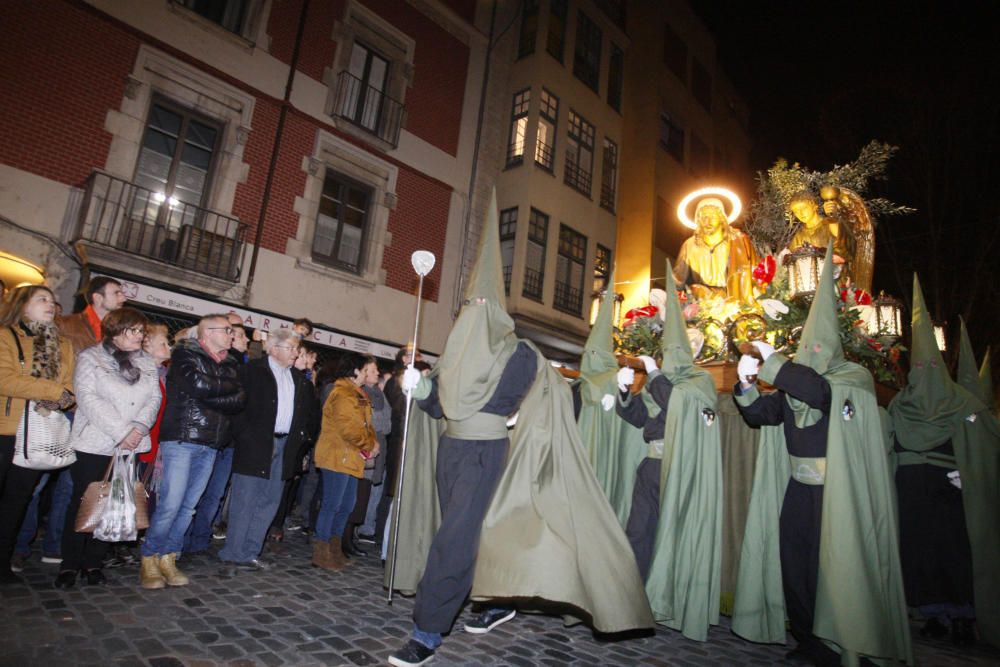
321,556
337,553
168,568
149,574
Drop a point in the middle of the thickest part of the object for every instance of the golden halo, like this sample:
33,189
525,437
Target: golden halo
735,205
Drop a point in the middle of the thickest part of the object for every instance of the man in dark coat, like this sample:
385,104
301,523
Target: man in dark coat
279,420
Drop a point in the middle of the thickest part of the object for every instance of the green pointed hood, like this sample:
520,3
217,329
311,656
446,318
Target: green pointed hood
820,347
926,412
482,339
968,372
598,364
677,363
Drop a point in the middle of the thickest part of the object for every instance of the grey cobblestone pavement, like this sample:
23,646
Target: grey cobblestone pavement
298,615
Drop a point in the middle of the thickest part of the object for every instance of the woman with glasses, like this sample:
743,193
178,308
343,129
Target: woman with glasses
36,363
118,398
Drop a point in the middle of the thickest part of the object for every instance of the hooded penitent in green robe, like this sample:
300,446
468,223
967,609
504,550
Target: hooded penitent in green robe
683,585
860,606
614,446
549,532
977,453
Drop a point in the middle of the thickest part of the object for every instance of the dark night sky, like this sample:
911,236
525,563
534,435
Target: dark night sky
822,80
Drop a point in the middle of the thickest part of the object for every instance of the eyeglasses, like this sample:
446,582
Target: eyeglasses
228,330
289,348
136,331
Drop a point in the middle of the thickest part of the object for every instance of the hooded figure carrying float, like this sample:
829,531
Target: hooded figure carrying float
675,523
947,445
821,545
529,523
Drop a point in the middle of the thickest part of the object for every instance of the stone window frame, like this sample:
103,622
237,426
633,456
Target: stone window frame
334,153
254,33
375,33
157,74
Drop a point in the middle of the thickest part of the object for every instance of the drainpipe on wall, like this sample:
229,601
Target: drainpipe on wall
272,167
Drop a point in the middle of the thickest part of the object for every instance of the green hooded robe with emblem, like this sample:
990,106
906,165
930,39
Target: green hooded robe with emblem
549,532
860,607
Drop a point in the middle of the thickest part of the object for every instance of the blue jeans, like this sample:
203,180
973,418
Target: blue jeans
186,469
368,527
339,490
252,507
199,536
429,639
52,542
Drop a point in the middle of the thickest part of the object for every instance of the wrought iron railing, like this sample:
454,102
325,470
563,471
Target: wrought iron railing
568,298
577,177
507,270
544,154
369,108
608,196
128,217
533,281
515,154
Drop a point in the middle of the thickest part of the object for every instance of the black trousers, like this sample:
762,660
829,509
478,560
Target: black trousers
16,488
799,536
467,475
81,550
644,517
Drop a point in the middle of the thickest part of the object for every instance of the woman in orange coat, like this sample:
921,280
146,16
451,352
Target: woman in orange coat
346,440
36,363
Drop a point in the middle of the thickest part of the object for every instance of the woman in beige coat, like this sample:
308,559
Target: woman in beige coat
346,440
36,363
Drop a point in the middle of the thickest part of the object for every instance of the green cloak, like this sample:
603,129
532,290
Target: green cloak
978,459
860,606
614,446
684,576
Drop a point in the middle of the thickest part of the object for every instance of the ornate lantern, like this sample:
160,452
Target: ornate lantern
888,317
804,265
597,297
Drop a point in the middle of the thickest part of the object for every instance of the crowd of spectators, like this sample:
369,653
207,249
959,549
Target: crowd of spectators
241,438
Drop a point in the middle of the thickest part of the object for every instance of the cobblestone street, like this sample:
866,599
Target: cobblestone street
298,615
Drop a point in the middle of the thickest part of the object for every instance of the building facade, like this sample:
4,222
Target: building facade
685,127
277,158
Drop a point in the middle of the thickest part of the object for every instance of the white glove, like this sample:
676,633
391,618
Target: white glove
764,349
512,420
411,378
626,376
773,308
607,402
955,479
748,366
649,363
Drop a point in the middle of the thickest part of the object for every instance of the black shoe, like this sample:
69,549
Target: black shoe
66,579
95,577
934,629
363,538
414,653
488,620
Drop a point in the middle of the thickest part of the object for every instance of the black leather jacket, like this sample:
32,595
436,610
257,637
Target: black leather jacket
202,395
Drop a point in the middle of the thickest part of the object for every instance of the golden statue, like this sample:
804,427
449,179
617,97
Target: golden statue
718,260
847,222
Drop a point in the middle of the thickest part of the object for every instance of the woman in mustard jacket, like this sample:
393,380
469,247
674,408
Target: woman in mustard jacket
346,440
42,371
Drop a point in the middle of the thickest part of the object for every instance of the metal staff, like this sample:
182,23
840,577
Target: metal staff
423,262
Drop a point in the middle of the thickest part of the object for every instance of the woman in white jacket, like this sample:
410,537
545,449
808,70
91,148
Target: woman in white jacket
117,397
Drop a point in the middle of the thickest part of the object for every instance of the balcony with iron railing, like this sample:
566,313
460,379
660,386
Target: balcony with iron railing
568,299
533,281
368,108
608,196
544,155
122,216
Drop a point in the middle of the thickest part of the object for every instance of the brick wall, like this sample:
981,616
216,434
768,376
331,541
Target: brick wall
418,223
59,80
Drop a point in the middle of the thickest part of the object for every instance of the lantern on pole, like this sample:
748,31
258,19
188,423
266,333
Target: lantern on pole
804,266
888,317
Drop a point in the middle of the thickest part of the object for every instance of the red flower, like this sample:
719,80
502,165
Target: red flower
636,313
764,271
874,344
861,297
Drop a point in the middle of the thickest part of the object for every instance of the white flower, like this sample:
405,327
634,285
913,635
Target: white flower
773,308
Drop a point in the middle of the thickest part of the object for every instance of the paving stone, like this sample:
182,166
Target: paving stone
361,658
165,661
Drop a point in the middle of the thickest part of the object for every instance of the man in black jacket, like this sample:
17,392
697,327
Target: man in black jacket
203,392
279,420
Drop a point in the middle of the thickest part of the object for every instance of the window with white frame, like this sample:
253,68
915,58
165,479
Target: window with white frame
545,141
579,154
518,127
342,223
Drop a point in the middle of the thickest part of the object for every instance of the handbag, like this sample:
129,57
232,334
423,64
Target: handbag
97,497
42,441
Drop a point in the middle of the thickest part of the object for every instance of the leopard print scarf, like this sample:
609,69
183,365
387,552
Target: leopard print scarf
45,355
